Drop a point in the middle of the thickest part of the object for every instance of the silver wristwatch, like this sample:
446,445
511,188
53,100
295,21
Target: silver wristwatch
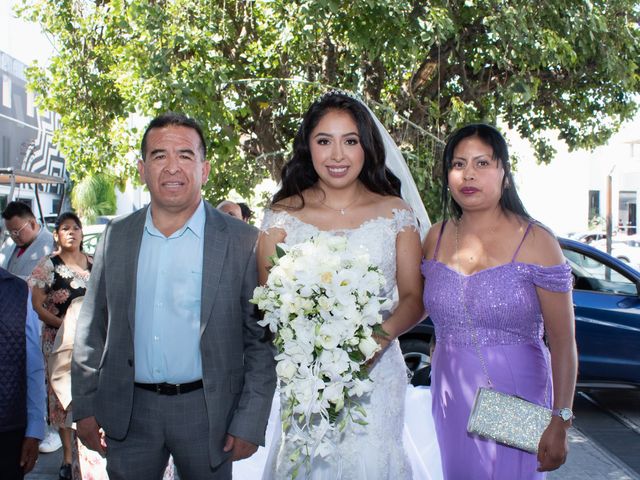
564,413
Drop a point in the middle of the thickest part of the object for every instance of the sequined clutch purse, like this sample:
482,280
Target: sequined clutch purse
508,419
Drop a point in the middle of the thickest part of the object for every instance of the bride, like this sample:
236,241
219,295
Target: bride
337,182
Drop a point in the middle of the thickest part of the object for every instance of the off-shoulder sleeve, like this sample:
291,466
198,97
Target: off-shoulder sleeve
556,278
42,275
274,219
405,218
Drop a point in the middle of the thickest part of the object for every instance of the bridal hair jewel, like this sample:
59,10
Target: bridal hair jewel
337,91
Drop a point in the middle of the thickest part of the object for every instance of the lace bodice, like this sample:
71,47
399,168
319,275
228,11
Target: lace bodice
377,235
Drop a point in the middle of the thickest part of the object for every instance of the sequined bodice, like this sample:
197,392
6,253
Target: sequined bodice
501,301
377,235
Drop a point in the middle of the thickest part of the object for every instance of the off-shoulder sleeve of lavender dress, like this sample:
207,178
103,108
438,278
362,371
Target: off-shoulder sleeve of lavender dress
556,278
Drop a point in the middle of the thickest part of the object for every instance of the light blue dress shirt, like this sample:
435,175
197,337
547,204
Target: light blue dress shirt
167,322
36,392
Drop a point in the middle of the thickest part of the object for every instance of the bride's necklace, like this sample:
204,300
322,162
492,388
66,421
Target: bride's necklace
342,210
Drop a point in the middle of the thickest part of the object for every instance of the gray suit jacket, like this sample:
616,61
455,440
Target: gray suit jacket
238,366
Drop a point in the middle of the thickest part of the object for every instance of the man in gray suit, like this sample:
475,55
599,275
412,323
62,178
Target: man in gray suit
168,355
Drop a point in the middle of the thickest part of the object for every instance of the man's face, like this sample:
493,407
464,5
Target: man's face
23,231
173,168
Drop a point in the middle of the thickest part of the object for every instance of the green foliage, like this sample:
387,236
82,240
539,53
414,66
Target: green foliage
94,195
569,66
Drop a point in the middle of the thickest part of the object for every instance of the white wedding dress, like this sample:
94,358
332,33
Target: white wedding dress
391,446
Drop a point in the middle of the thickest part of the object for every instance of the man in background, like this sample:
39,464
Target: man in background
28,241
22,389
246,212
230,208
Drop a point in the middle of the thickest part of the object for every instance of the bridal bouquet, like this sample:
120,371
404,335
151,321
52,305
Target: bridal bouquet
321,302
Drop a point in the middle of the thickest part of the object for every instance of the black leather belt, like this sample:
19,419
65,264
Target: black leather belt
170,388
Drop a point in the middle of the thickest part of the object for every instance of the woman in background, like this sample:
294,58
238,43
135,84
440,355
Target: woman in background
57,280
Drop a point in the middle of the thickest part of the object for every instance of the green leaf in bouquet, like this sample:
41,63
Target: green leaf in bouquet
280,252
360,409
379,331
343,423
356,356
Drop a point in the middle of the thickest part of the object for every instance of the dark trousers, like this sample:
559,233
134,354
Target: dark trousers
10,450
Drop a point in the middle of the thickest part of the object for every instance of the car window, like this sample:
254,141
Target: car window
592,274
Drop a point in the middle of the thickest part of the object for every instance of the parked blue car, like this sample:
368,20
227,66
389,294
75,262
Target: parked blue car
606,299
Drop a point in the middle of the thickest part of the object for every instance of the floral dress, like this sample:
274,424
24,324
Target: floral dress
62,285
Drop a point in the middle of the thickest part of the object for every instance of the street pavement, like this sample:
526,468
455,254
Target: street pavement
587,460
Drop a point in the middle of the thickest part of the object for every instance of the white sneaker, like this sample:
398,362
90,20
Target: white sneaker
51,441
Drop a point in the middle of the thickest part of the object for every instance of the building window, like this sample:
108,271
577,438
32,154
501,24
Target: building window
594,205
5,161
30,104
6,91
627,212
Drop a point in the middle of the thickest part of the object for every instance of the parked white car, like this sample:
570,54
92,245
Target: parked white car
623,247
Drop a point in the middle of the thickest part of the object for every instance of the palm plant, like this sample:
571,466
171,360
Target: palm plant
93,196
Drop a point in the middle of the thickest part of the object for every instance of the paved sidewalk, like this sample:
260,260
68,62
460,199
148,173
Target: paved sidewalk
587,460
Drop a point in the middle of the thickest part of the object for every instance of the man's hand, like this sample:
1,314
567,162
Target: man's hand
240,448
91,435
29,454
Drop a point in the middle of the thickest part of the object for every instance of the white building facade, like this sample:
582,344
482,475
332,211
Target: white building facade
570,194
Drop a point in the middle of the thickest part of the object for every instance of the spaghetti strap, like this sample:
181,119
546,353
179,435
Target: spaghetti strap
521,242
435,252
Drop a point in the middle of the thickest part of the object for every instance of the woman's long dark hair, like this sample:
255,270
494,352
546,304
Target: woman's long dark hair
492,137
298,174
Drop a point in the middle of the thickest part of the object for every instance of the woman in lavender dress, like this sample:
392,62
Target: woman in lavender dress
495,283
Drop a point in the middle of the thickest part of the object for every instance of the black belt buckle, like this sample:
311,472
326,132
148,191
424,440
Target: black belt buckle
167,389
171,389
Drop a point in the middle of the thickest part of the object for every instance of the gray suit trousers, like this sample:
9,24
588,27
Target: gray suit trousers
163,425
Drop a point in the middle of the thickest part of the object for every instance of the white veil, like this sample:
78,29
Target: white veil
395,161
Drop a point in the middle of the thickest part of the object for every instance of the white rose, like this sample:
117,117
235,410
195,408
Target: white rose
286,369
368,346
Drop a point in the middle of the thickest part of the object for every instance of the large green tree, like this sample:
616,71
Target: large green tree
568,66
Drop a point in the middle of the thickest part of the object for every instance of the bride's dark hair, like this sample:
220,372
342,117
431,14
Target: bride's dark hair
298,173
